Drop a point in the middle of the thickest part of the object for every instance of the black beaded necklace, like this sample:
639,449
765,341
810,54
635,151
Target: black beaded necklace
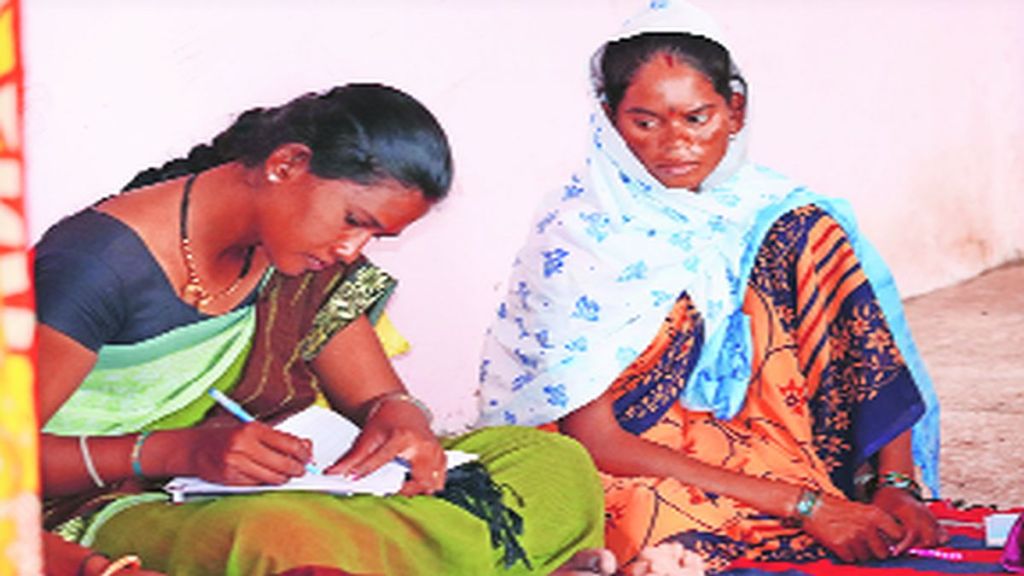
193,291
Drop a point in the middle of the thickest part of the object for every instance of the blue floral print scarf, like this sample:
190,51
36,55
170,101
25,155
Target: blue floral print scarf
611,252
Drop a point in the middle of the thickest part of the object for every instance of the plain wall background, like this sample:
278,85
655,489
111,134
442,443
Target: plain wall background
911,109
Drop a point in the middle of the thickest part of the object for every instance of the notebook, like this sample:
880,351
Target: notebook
332,434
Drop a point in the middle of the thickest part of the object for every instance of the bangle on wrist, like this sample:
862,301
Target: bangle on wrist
129,561
805,505
379,401
90,467
901,481
136,456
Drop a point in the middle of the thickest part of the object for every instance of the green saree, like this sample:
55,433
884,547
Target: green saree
548,481
261,355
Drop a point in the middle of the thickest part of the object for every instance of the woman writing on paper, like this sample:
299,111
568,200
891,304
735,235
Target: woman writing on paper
728,347
238,268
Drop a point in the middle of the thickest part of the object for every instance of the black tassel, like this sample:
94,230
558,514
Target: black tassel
470,487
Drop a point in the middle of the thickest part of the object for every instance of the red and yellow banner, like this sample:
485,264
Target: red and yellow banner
19,477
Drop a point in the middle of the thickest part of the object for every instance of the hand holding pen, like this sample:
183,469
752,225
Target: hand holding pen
250,454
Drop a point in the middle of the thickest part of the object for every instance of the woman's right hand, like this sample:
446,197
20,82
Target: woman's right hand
247,454
921,529
855,532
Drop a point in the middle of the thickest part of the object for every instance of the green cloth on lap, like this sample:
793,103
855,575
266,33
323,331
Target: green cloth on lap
549,480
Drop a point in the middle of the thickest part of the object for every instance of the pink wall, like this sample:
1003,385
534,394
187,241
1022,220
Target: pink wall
912,109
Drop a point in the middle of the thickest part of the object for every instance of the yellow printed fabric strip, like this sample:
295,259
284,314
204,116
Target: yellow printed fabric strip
394,343
20,552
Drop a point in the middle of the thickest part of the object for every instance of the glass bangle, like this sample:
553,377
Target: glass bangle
90,467
128,562
901,481
805,505
136,456
402,397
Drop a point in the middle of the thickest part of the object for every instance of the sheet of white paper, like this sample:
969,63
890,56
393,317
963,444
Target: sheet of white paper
385,480
332,434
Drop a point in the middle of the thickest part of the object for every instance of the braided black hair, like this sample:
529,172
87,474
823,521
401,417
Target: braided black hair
360,132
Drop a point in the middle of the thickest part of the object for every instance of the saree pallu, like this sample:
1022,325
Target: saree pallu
161,383
829,388
541,479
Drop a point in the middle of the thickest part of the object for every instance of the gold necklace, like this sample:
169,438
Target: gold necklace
193,291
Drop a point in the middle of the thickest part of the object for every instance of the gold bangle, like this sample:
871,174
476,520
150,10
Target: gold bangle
127,561
401,396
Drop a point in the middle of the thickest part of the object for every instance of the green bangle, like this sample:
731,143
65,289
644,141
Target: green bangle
901,481
805,505
137,455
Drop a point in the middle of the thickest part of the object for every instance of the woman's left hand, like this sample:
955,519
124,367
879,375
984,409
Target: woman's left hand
398,429
921,529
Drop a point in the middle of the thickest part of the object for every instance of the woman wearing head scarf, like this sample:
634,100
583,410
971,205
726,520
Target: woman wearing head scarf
725,343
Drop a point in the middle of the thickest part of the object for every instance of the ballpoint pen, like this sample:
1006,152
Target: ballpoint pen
238,412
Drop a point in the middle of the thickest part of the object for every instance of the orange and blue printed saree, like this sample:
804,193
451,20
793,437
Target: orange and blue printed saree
828,388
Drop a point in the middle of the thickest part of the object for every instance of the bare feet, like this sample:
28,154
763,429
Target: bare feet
588,563
670,559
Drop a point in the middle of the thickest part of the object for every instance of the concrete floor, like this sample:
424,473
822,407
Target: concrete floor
972,338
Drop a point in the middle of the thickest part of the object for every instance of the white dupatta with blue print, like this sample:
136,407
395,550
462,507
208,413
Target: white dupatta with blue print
611,252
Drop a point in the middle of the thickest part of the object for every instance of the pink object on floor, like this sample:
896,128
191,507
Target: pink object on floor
1013,553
